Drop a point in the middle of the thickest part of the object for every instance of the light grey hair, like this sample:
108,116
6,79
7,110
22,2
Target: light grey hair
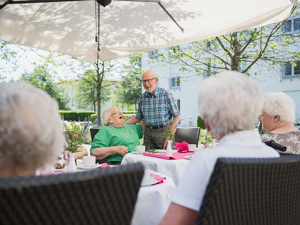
279,103
31,132
229,102
105,116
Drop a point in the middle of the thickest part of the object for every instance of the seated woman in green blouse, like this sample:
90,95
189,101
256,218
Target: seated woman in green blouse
115,139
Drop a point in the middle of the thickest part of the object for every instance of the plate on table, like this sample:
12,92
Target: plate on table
59,170
137,153
147,179
88,167
164,150
189,156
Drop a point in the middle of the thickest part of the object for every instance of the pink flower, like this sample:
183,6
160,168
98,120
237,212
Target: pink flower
181,147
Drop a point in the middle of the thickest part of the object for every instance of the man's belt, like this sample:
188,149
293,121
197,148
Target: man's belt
155,127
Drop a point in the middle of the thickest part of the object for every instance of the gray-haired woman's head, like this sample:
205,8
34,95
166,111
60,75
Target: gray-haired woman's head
229,102
31,133
279,103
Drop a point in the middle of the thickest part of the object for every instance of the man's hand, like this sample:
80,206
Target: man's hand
166,144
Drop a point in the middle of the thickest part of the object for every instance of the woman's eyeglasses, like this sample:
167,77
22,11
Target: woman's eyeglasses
115,113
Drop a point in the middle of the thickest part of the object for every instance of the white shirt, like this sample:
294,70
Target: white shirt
243,144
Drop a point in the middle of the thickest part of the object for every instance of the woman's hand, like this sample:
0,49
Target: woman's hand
122,150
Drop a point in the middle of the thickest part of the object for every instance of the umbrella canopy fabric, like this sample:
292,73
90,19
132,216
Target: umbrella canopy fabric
128,28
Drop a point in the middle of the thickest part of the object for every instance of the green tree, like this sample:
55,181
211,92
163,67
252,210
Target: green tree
41,78
130,88
93,77
238,51
86,90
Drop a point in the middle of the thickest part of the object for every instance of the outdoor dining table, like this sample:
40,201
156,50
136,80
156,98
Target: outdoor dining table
153,202
171,168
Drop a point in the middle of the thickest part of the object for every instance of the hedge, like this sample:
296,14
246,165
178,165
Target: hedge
127,115
76,115
129,112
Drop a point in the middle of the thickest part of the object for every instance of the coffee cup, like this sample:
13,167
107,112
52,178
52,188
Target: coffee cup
192,147
89,161
140,148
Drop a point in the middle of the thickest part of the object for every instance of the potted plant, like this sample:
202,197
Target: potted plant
74,139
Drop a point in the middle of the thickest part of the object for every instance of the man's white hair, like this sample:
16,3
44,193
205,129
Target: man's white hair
279,103
31,132
229,102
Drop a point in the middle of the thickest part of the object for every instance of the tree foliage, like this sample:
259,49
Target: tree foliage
86,94
41,78
130,89
238,51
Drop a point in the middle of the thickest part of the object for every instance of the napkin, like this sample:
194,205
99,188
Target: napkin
177,155
103,165
160,179
181,147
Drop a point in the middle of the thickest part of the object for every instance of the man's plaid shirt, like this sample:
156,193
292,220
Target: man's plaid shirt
157,109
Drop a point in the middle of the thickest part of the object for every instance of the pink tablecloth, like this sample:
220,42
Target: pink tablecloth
176,155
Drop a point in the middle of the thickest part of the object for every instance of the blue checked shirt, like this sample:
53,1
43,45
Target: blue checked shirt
157,109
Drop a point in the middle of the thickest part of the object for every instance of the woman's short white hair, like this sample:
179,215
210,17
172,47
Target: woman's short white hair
31,132
229,102
279,103
105,116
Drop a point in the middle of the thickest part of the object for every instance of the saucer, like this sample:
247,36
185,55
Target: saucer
189,156
148,179
59,170
88,167
138,153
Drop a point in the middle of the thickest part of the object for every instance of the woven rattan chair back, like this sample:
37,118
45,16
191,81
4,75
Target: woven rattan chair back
188,134
102,196
253,191
93,132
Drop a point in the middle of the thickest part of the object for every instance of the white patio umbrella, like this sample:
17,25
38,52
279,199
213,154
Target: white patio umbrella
130,27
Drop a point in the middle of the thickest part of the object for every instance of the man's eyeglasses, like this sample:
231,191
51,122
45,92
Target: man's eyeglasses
149,80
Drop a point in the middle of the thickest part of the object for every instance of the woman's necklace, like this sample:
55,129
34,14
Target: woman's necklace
127,133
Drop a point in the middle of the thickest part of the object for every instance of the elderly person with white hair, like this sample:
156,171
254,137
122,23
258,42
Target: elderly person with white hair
115,139
277,116
226,106
31,133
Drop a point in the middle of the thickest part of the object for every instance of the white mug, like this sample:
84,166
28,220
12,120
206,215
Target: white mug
192,147
140,148
89,161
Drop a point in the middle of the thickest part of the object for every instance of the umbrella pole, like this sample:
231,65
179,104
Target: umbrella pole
181,28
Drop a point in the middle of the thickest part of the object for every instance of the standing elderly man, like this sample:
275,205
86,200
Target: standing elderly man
156,106
229,104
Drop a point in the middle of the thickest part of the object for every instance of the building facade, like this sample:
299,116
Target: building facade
184,85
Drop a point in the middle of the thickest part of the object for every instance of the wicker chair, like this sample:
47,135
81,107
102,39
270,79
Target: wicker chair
102,196
188,134
253,191
93,132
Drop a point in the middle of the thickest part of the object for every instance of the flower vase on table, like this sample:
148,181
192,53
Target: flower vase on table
71,164
169,149
74,140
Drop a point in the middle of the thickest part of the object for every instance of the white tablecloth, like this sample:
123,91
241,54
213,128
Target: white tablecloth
152,203
171,168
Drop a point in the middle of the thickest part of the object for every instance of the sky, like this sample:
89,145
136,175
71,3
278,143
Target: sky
28,58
